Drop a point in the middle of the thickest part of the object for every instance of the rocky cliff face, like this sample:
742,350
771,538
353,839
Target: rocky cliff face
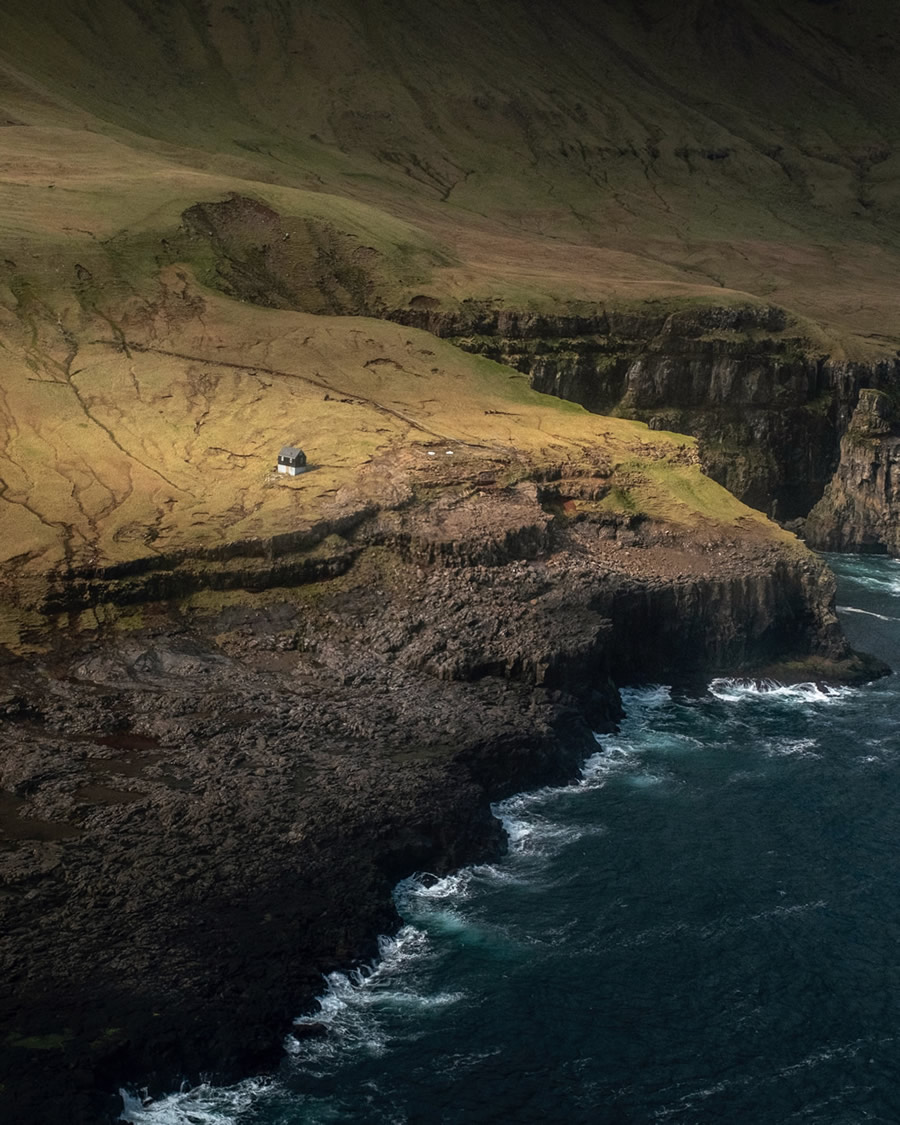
768,415
204,814
859,509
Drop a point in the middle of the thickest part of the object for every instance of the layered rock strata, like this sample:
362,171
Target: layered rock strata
201,816
859,511
767,411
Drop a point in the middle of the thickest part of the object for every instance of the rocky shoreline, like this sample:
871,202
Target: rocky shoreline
202,815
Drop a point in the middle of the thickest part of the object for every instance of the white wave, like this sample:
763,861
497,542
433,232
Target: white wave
867,612
786,911
645,780
639,700
869,574
532,834
434,905
642,732
427,888
346,1006
740,691
352,1015
496,873
881,759
658,935
792,748
617,757
202,1105
689,1102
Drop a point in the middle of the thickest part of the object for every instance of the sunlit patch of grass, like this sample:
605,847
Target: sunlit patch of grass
162,438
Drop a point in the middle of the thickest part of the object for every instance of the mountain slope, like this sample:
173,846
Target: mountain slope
753,149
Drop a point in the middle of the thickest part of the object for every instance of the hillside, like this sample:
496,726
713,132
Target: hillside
158,440
394,160
541,155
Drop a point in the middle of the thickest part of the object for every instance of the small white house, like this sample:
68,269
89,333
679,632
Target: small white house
291,460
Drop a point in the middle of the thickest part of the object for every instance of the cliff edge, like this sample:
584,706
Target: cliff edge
858,511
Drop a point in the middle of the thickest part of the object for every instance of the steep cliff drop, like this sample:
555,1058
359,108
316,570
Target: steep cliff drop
757,387
861,504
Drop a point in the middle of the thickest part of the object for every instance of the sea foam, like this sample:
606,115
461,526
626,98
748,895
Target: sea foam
742,690
203,1105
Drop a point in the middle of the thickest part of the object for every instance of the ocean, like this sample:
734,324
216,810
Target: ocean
704,928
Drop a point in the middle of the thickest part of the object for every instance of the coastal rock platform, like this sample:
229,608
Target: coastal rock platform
203,815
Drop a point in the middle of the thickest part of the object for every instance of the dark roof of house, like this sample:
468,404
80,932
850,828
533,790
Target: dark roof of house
290,453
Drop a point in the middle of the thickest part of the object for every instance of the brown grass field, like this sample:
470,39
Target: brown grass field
550,162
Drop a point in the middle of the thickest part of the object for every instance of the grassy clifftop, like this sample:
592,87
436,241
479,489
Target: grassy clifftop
156,434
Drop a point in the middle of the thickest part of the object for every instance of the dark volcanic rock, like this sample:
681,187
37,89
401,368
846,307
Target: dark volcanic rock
198,820
859,509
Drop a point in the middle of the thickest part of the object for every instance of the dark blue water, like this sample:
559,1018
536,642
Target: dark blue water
705,929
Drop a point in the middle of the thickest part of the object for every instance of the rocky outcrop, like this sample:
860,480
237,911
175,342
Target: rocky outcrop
201,816
282,262
859,509
767,411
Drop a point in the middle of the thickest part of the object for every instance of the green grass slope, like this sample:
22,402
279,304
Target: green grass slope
198,200
750,147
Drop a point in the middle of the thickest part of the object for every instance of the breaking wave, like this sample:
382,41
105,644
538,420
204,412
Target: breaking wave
866,613
203,1105
743,690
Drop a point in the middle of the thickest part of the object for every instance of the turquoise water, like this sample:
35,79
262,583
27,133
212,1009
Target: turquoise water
706,928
